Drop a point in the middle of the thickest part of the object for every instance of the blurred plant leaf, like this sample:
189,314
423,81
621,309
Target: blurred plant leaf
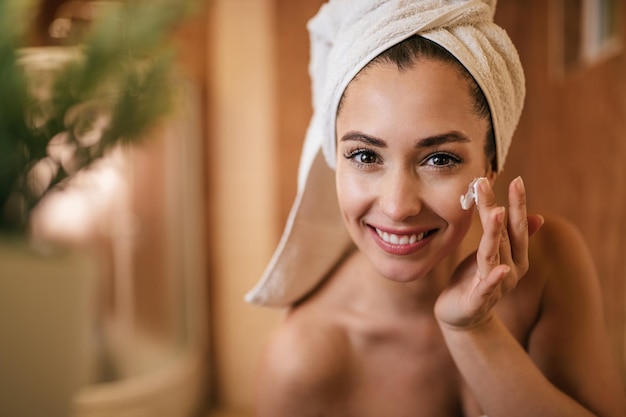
122,73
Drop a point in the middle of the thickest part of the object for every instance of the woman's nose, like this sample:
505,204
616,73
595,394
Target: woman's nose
399,196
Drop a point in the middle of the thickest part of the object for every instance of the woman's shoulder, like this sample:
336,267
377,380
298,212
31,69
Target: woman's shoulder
558,249
305,360
307,335
571,298
557,229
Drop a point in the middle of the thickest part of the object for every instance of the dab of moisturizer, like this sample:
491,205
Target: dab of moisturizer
471,196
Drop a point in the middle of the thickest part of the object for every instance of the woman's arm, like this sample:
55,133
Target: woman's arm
502,376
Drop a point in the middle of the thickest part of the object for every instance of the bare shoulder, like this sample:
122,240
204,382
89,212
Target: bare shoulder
559,254
559,244
561,257
304,367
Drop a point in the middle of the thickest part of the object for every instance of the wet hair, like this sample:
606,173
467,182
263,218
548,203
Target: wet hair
406,53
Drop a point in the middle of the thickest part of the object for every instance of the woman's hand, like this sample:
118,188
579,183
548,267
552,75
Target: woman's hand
501,260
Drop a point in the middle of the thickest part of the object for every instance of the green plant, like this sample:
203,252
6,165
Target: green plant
112,87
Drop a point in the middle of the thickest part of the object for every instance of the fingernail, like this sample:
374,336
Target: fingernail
519,184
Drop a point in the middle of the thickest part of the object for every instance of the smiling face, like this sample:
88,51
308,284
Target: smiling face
409,143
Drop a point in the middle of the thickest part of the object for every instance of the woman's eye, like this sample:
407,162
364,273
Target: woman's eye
362,157
442,160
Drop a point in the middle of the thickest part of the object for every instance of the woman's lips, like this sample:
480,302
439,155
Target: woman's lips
401,243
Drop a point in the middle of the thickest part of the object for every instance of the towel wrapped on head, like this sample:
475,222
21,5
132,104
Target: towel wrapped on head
345,36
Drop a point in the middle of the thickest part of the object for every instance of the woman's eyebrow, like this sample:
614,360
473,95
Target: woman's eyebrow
437,140
361,137
428,142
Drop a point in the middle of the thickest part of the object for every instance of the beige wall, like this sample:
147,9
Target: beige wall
241,157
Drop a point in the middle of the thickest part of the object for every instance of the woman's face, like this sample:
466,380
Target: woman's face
409,144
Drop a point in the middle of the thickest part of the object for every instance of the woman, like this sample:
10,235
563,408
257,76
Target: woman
432,310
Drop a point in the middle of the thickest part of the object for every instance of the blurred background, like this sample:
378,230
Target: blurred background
184,224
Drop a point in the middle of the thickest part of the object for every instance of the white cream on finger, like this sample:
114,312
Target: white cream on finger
471,196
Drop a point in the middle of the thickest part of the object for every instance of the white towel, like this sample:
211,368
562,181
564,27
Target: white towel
345,35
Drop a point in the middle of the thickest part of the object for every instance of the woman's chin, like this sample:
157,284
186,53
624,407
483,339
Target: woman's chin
403,275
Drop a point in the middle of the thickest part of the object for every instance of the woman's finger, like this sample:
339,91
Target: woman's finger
506,253
535,221
518,224
492,220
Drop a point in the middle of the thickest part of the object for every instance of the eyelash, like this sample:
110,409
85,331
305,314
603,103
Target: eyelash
353,154
453,160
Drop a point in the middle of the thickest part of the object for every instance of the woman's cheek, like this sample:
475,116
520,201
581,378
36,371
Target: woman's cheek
446,202
353,193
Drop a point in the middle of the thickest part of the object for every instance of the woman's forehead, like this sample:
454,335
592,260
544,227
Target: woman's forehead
429,92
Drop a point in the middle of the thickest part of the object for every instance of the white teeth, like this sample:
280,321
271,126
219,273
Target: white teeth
400,240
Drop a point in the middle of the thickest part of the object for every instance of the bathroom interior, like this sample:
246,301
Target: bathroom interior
183,224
